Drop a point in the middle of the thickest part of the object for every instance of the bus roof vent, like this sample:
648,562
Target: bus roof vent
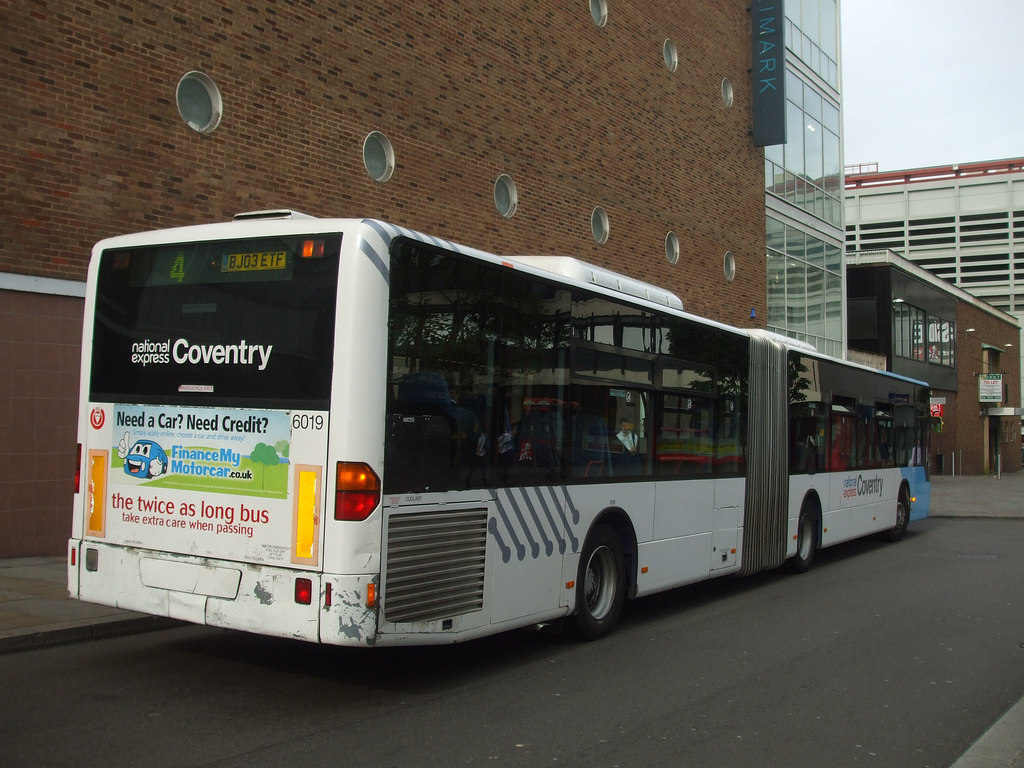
275,213
588,273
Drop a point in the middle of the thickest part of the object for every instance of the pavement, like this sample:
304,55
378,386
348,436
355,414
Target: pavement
36,612
1002,746
978,495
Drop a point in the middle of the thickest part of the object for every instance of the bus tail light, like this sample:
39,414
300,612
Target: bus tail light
95,510
305,517
78,469
303,591
357,491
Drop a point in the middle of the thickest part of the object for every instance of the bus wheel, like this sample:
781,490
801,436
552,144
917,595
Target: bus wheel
902,517
600,584
806,540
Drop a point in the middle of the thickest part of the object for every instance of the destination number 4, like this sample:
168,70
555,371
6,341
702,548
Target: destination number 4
178,268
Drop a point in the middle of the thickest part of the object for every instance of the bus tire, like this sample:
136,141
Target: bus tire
895,533
806,540
600,584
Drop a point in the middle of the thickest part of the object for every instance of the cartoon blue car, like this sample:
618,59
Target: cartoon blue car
146,459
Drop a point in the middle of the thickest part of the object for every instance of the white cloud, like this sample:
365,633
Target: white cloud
932,82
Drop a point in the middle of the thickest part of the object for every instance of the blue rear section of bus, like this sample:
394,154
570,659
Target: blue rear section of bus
920,489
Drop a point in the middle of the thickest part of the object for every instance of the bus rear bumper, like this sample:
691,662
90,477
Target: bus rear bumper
252,598
349,615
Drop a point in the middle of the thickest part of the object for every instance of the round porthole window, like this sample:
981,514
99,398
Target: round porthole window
506,199
378,156
672,247
671,56
599,12
199,102
729,265
727,92
599,225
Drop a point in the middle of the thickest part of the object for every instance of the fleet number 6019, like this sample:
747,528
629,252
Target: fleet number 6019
307,421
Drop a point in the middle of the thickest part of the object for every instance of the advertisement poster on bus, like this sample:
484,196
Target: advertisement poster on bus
211,481
215,450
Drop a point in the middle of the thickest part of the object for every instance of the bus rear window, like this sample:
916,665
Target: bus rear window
240,322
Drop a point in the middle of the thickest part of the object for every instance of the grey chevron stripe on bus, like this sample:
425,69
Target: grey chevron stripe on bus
378,255
534,522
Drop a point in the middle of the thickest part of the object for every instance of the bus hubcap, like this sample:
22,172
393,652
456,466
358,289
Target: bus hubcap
599,587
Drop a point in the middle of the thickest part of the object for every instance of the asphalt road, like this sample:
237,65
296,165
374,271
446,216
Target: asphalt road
882,655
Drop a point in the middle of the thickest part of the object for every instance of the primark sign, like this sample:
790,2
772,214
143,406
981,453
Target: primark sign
768,72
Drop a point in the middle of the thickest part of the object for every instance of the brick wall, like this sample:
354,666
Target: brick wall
578,115
92,144
971,438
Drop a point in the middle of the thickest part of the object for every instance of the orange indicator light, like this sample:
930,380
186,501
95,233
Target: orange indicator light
312,249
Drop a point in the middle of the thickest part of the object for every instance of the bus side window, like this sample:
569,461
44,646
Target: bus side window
842,446
591,449
685,439
626,459
729,457
607,432
539,440
804,445
419,451
906,440
422,436
880,437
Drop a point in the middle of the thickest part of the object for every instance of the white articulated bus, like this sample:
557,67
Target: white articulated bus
347,432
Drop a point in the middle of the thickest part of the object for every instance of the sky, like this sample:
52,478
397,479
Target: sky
932,82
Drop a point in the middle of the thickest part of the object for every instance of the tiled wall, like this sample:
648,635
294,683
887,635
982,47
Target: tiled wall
40,347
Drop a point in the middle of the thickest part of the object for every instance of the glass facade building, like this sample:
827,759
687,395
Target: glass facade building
804,185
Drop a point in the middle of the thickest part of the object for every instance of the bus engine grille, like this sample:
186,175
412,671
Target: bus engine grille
435,565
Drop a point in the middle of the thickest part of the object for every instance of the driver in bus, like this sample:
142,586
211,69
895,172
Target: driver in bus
627,436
